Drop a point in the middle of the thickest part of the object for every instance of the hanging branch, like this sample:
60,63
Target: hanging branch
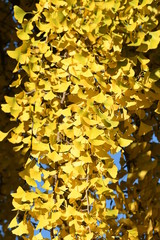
32,126
87,197
56,164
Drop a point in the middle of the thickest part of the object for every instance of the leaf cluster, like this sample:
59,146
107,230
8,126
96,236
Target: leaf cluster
87,84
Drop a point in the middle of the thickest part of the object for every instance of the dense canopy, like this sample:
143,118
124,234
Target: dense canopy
85,86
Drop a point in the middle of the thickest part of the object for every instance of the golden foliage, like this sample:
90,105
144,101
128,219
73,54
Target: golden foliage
91,86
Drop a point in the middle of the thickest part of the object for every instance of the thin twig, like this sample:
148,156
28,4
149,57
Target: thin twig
88,205
28,93
55,200
63,98
58,137
87,197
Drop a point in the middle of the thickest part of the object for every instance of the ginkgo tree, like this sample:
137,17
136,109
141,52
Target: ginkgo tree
9,179
87,84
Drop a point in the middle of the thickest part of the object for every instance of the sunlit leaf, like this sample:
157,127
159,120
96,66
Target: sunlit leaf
21,229
13,223
3,135
124,142
19,14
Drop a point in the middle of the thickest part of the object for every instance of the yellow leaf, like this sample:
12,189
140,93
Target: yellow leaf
43,222
24,117
22,35
155,39
54,156
100,98
86,158
3,135
144,129
38,237
68,237
49,96
47,186
19,14
70,210
131,27
74,195
89,121
113,171
61,87
143,59
24,150
69,133
94,132
133,206
80,170
70,3
96,142
20,193
21,229
139,40
14,54
39,146
17,82
75,152
48,173
113,124
144,3
134,3
103,189
29,196
55,216
80,59
142,174
20,206
64,148
152,43
130,104
13,223
83,186
68,168
124,142
133,233
111,213
15,138
66,112
35,173
87,73
30,181
150,227
11,106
